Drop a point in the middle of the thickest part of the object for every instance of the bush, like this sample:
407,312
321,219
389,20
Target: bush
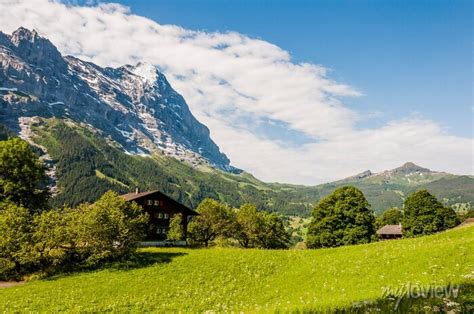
108,228
15,238
53,238
68,238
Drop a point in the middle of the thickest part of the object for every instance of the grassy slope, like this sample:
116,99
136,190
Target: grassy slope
251,280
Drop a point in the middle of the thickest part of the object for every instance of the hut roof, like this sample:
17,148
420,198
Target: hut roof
390,229
467,221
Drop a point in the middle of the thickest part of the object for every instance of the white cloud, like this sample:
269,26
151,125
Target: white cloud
229,78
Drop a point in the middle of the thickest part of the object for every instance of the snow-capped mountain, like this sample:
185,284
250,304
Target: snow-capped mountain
133,105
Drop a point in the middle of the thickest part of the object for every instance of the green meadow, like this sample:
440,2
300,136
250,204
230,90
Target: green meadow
250,280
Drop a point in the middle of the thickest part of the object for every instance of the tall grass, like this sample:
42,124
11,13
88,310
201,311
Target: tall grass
254,280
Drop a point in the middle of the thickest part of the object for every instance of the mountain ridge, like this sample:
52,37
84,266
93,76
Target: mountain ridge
134,105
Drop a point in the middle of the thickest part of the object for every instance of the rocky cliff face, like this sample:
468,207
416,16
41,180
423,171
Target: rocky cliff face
133,105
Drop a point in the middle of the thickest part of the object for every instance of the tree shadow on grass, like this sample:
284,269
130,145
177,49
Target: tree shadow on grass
128,262
143,259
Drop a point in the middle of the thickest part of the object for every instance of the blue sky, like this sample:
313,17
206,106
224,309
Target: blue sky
292,91
406,57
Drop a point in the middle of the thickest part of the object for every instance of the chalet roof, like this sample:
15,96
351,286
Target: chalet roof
390,230
135,196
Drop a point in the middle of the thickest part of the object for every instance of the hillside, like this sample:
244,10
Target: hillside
389,188
85,164
198,280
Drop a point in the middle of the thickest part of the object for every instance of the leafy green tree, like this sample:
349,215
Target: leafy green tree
392,216
273,234
260,229
341,218
109,228
424,214
15,231
22,175
248,225
54,238
85,236
214,219
176,232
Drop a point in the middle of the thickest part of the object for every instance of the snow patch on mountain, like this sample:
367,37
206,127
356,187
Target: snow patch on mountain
146,71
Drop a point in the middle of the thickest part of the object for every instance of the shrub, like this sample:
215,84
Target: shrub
68,238
15,231
108,228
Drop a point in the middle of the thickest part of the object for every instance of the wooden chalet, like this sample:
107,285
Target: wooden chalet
161,209
390,232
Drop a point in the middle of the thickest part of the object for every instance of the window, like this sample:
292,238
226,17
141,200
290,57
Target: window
166,216
149,202
160,215
163,231
157,203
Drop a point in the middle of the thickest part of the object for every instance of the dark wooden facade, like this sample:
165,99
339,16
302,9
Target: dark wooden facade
161,209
